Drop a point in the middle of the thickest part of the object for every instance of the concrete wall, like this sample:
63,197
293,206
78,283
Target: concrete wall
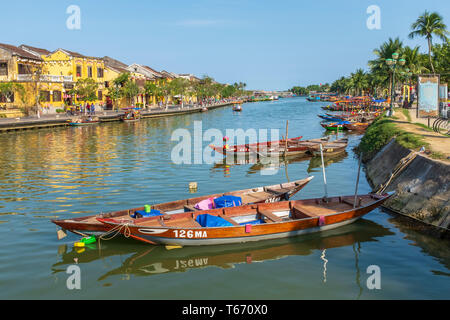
422,188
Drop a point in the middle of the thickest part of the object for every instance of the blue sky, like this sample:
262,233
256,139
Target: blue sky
266,44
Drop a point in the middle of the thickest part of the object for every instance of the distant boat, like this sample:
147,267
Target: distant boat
83,121
237,108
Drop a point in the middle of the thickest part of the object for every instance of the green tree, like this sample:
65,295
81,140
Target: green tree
427,25
359,81
86,89
130,90
441,58
7,89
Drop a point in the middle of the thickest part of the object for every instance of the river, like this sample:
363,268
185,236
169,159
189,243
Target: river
76,171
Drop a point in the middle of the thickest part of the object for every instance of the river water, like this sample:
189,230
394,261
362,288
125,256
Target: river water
76,171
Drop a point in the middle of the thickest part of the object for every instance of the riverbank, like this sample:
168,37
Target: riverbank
413,161
58,120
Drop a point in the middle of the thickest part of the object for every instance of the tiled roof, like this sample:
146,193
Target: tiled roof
38,51
18,51
115,64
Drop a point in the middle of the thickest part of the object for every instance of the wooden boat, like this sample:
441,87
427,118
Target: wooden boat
131,115
237,108
245,149
329,148
357,126
90,225
294,148
83,121
334,126
329,117
248,223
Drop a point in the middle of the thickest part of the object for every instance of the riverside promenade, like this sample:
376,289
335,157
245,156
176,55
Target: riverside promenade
58,120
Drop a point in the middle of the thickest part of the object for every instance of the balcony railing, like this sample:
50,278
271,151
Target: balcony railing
24,77
45,78
55,78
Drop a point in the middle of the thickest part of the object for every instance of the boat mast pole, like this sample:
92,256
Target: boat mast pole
357,181
286,142
323,170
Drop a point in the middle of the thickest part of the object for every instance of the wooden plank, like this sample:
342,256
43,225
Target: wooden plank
229,220
269,215
189,208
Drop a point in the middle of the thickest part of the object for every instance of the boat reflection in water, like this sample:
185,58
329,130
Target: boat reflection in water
257,166
316,162
146,261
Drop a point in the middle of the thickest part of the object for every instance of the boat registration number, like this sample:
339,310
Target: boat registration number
190,234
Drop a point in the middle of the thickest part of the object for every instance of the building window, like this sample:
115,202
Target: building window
57,96
89,70
45,96
24,68
106,84
78,71
100,72
3,68
100,95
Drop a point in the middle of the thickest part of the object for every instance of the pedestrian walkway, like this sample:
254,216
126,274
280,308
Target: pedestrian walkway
438,143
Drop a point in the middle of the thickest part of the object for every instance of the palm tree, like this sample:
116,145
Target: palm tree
378,66
359,81
427,25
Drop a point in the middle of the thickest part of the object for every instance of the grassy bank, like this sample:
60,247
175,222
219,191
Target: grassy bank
381,131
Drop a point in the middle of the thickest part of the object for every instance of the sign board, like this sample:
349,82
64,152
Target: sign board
443,92
428,95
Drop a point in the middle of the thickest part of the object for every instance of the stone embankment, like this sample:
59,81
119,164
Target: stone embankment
422,184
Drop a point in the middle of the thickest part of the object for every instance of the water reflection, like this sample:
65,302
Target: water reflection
228,163
151,260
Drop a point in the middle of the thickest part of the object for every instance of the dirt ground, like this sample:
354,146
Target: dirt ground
438,142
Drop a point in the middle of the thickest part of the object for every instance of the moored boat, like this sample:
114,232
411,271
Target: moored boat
292,148
237,108
334,126
329,148
83,121
247,149
131,114
89,225
248,223
357,126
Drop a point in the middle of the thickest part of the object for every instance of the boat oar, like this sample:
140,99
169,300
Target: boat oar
357,181
324,175
286,142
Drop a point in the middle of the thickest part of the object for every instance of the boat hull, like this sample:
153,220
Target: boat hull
198,236
89,225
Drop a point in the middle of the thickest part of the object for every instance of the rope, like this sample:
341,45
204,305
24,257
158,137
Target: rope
401,165
114,232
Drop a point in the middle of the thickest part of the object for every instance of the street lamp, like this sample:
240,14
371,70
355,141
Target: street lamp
392,63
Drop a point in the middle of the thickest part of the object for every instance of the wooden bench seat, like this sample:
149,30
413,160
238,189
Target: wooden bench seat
269,215
224,217
189,208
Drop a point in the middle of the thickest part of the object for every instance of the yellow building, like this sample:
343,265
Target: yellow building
61,70
18,67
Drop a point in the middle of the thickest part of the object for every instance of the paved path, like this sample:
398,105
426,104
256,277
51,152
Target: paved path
438,142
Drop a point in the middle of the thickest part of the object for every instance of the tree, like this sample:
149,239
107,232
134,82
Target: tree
378,66
441,58
86,89
359,81
427,25
130,90
7,89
